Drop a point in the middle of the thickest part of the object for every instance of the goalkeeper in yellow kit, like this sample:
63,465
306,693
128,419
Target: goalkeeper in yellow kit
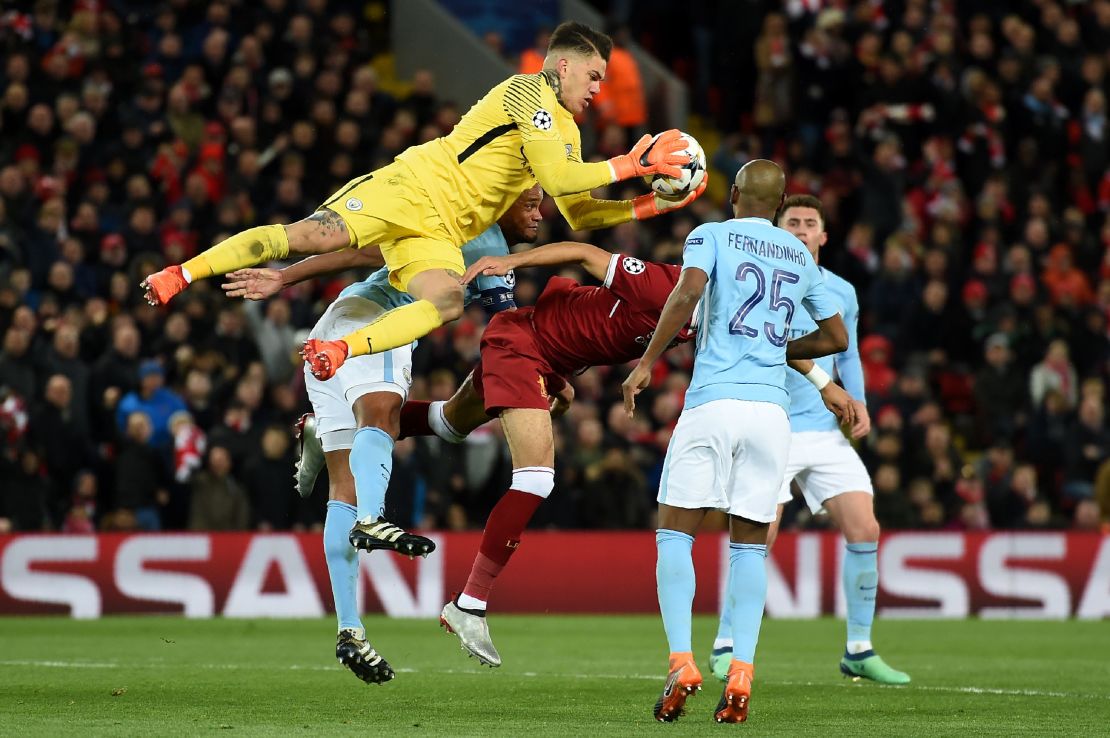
435,197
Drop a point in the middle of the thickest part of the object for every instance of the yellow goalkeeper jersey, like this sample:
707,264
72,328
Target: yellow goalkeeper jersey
516,135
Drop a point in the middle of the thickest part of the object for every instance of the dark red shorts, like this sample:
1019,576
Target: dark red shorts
512,371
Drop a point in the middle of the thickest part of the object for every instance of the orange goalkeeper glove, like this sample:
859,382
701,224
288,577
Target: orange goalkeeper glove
652,204
663,154
324,357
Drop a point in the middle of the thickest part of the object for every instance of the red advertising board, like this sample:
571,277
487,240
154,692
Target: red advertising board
995,575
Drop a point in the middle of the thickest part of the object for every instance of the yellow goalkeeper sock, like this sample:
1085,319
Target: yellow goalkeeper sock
252,246
399,327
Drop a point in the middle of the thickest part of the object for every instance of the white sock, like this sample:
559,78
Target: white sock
722,643
471,603
185,273
441,426
855,647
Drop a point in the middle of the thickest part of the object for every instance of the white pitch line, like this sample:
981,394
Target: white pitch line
62,664
534,674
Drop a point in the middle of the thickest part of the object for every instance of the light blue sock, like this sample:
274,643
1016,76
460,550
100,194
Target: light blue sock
747,584
861,582
674,578
371,465
342,561
724,624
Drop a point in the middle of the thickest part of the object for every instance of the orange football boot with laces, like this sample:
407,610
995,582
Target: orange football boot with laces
683,680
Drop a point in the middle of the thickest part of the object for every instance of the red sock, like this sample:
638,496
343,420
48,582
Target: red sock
500,539
414,419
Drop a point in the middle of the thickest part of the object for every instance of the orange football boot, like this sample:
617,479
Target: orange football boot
683,680
324,357
163,285
733,707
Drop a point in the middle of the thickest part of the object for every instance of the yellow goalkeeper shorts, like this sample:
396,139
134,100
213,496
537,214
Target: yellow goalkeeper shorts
389,207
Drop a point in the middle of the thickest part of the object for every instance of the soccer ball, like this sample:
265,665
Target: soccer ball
692,174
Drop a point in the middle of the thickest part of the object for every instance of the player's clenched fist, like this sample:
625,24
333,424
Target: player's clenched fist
324,357
663,154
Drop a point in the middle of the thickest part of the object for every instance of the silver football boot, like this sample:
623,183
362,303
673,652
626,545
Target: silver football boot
473,631
310,454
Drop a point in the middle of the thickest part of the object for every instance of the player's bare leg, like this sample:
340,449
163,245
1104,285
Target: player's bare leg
319,233
674,576
532,445
854,515
351,648
465,411
371,463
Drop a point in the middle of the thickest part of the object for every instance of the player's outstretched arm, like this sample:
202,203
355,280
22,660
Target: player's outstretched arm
831,337
676,313
585,212
559,176
590,257
259,284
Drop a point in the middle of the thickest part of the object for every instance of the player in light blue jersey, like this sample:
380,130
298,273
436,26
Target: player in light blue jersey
356,413
730,445
829,472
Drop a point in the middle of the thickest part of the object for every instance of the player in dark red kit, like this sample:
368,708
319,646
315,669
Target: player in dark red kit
526,355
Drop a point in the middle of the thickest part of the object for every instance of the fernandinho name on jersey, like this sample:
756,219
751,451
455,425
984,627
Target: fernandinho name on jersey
765,249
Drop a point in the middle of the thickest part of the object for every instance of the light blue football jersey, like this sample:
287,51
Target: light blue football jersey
807,411
494,293
760,276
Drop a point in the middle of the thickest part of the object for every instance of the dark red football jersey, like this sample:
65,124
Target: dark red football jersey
579,327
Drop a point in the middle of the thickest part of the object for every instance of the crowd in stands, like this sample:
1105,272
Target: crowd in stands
960,150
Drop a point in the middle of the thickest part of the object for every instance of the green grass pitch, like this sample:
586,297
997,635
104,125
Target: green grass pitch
563,676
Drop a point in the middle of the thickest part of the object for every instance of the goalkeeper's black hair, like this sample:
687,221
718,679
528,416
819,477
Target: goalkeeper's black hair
573,36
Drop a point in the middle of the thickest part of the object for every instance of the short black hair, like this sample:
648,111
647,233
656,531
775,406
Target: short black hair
574,36
802,201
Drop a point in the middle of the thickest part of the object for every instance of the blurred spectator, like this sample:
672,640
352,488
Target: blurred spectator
158,402
59,440
1087,446
16,368
218,502
81,514
276,338
268,481
141,486
1055,373
1000,395
621,100
892,508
